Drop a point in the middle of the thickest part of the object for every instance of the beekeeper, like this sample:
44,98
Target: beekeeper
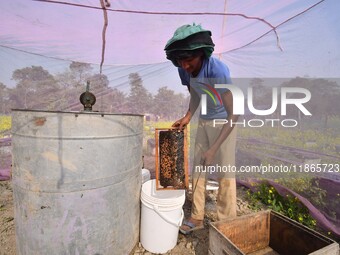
190,50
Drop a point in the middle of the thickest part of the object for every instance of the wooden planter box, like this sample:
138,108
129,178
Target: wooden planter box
267,233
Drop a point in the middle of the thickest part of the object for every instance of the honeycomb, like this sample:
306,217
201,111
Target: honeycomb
171,159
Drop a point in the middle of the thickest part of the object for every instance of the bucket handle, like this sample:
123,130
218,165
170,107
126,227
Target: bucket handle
155,207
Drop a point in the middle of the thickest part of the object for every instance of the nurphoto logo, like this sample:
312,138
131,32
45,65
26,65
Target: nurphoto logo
239,102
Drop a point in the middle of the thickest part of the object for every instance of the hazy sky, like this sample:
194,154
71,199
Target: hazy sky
307,45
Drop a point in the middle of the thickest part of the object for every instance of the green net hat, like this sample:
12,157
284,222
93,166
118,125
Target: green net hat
186,41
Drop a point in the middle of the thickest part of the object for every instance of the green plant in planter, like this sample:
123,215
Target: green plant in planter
307,187
289,205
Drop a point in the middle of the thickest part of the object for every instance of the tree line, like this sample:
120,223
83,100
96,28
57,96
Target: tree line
323,105
37,89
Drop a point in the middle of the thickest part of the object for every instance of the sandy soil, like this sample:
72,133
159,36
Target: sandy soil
7,232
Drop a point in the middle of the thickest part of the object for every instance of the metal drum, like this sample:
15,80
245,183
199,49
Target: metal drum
76,182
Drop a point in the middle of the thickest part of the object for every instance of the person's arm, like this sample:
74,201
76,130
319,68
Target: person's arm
193,105
208,157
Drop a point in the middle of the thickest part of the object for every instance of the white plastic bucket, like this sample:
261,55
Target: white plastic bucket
145,175
161,217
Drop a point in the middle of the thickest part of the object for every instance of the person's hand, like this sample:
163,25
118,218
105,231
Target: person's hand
181,123
207,158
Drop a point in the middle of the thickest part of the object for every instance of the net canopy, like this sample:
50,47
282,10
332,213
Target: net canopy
254,38
48,49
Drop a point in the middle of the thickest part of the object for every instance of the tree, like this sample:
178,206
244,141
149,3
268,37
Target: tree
161,102
81,72
3,99
69,92
181,105
98,82
116,101
73,83
325,99
169,105
108,99
139,100
325,96
36,88
262,95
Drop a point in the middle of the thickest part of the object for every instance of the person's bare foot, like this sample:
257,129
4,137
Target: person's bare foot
191,225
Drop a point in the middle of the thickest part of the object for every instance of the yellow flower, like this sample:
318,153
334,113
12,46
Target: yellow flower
270,191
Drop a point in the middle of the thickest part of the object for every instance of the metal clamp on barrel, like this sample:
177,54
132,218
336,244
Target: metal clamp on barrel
87,98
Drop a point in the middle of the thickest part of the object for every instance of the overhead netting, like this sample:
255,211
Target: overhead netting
49,49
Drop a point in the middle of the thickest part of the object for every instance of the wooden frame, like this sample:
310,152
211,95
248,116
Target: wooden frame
157,161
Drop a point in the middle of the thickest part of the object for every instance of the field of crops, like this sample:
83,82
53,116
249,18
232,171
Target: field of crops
5,125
